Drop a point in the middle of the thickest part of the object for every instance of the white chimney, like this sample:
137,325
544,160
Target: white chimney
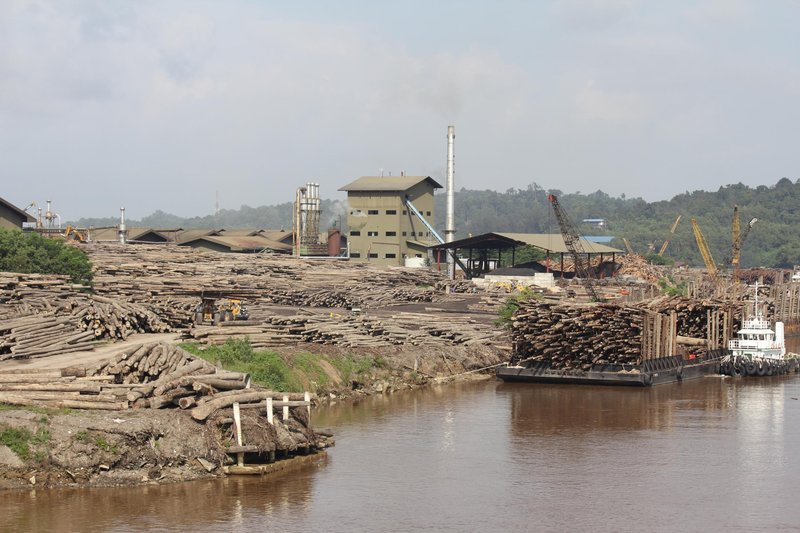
450,226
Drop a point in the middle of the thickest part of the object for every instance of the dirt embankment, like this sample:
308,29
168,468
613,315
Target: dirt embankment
59,447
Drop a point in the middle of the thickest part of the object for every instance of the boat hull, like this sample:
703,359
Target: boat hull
655,372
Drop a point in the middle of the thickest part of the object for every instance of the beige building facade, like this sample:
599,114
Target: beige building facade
382,229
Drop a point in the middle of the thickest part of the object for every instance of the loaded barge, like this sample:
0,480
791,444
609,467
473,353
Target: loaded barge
651,372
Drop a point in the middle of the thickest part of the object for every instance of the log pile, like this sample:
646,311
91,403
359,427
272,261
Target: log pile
45,315
154,375
404,328
579,336
162,276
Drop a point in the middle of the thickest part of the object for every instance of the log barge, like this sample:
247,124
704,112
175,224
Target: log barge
657,371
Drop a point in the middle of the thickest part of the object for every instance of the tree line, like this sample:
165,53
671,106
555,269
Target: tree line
774,240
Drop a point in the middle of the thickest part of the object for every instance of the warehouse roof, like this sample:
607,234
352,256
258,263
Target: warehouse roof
26,217
240,243
549,242
388,183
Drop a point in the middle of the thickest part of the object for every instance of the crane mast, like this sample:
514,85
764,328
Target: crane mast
573,243
671,233
704,250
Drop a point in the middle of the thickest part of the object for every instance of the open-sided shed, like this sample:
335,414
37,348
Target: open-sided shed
552,244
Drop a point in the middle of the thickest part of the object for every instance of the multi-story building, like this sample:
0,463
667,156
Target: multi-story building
12,216
382,229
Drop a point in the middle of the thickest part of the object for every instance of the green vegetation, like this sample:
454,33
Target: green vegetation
21,440
352,367
30,253
512,305
670,288
104,445
270,370
655,259
265,368
82,436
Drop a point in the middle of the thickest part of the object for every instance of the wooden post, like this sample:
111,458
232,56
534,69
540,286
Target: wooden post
285,408
237,422
269,411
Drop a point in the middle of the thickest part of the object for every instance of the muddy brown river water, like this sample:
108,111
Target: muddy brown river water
715,454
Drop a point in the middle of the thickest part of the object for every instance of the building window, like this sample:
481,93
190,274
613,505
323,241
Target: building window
373,255
355,254
404,212
417,255
391,211
427,213
355,212
372,212
404,234
391,256
391,234
355,233
372,234
412,234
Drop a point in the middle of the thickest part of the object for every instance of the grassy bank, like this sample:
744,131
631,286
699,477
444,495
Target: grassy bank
304,371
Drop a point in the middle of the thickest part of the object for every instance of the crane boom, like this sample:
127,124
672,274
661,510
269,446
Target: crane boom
671,233
704,250
573,243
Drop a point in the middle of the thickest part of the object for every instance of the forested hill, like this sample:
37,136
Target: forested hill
773,241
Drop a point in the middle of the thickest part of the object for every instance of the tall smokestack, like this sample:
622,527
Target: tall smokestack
123,233
450,226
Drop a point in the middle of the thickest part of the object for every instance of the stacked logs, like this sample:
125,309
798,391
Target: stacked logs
154,375
150,274
578,336
415,329
571,336
35,336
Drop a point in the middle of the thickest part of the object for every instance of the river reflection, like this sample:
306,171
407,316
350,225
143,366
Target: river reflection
706,455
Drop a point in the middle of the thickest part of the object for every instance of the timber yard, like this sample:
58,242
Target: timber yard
419,315
201,355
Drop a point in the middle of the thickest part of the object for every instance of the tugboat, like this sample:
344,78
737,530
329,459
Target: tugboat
757,350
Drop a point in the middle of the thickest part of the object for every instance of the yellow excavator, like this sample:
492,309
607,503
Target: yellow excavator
215,310
74,234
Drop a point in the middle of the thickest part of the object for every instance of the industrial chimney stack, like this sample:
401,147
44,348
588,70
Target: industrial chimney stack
123,232
450,226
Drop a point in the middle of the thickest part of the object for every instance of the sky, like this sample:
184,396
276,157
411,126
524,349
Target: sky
169,104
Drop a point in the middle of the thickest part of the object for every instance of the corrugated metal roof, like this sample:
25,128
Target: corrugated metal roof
554,242
551,242
388,183
27,216
242,243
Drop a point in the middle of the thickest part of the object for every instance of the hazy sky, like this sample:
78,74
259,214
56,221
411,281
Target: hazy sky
159,104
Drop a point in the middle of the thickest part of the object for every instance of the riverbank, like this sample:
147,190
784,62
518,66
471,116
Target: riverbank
48,447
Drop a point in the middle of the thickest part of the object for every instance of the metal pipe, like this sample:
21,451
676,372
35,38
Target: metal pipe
123,233
450,226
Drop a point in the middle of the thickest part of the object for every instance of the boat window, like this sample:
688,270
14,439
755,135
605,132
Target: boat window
761,337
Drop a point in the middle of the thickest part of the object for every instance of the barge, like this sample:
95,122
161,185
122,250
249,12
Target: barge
657,371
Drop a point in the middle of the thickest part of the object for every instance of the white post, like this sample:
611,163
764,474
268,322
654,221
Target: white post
269,411
450,226
285,408
307,398
237,421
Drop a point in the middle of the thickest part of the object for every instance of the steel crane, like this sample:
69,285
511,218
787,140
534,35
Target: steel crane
671,233
573,243
704,250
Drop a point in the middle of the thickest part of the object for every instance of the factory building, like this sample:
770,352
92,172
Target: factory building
12,217
383,230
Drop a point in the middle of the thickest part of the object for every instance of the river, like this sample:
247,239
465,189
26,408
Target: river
707,455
